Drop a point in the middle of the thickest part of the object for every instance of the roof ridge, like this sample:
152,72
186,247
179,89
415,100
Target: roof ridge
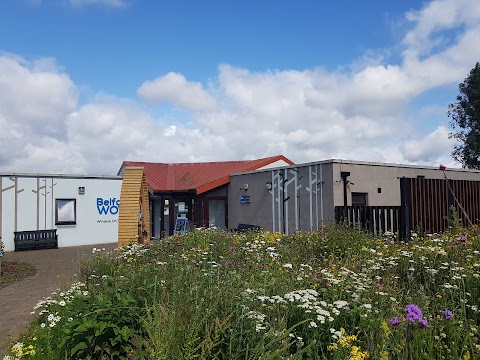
203,162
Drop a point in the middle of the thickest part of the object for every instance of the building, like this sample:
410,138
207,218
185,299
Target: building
197,191
83,209
272,193
305,196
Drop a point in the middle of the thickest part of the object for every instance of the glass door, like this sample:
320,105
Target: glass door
217,213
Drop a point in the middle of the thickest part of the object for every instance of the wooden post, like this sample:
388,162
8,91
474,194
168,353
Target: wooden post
404,230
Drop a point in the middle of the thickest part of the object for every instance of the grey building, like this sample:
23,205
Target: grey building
305,196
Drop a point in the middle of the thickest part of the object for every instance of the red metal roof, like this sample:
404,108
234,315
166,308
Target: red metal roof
201,177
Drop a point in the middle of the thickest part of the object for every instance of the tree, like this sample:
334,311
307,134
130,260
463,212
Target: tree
465,115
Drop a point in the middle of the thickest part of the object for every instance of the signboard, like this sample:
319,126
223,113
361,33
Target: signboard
181,206
244,199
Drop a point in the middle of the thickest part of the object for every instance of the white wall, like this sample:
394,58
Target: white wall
92,226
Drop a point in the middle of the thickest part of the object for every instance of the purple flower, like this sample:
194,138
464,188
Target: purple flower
448,314
394,321
413,313
422,323
462,238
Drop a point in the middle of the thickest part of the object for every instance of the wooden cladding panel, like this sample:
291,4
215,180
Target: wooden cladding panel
430,201
134,194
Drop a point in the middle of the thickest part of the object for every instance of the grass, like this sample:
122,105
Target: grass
334,294
14,271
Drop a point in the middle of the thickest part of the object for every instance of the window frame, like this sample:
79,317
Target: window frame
65,202
364,194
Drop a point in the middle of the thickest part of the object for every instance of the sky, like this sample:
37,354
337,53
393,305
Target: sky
87,84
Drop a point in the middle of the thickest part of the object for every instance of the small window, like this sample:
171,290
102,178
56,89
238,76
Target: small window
359,199
65,211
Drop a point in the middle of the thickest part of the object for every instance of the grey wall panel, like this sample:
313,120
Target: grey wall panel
300,198
216,192
259,209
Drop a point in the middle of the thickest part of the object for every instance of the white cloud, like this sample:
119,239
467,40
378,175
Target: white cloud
106,3
307,115
36,98
175,89
429,148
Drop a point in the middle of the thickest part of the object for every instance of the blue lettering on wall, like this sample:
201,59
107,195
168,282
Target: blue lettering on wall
107,206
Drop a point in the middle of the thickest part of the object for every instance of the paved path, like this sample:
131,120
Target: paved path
56,268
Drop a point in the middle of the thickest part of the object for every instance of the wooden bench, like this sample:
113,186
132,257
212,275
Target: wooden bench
247,227
36,239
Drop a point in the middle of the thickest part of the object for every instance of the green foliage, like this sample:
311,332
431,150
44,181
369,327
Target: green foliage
465,115
317,295
455,223
104,326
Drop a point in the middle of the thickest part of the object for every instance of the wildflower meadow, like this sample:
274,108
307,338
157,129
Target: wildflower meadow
334,294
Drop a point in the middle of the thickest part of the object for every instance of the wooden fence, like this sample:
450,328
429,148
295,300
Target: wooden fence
428,202
426,205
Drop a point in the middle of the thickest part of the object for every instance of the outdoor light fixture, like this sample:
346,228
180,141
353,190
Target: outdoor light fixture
269,185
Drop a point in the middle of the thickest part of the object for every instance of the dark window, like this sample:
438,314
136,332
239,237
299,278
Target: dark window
359,199
379,190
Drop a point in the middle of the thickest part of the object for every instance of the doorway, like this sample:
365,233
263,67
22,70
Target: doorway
215,213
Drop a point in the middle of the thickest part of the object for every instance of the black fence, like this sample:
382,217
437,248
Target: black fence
375,219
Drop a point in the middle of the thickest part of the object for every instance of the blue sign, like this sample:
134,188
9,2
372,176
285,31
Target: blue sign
107,206
243,199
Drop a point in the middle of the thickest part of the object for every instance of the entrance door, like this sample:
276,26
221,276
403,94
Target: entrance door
215,212
177,208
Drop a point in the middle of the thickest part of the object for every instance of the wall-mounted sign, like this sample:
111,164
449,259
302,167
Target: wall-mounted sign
181,206
244,199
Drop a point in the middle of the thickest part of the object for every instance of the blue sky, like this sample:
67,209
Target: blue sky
90,83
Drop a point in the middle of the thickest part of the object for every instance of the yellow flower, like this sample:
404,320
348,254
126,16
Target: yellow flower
466,356
343,342
351,338
34,338
386,330
332,347
357,354
383,355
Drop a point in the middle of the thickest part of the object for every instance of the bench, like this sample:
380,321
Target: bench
247,227
36,239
